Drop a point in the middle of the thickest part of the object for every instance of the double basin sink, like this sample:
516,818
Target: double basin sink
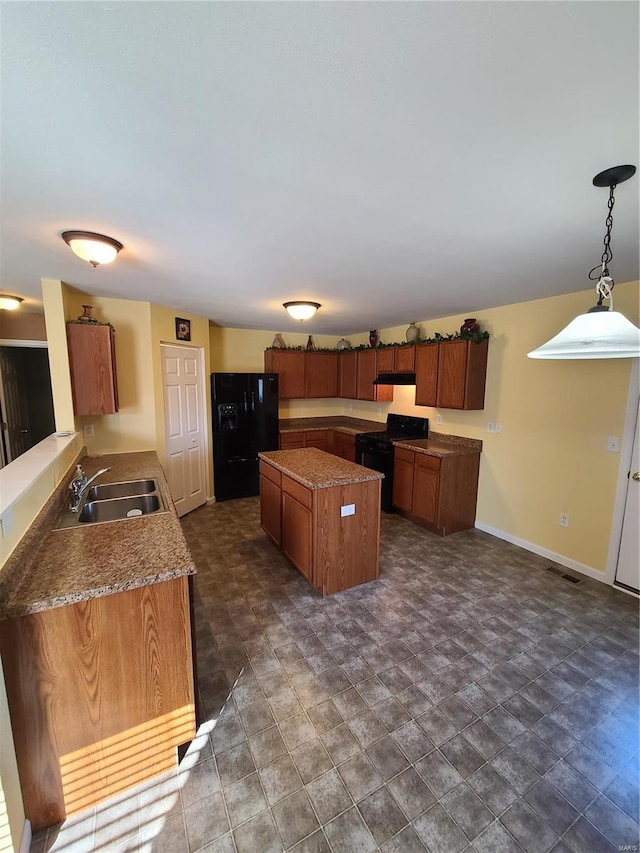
114,502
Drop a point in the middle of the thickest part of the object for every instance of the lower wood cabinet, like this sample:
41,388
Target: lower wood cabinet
438,492
344,445
333,552
101,693
320,438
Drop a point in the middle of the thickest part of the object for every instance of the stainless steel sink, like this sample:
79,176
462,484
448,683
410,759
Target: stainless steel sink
121,490
117,508
114,502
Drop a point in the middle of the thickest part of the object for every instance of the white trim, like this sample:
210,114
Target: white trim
544,552
25,840
627,591
626,449
14,342
211,501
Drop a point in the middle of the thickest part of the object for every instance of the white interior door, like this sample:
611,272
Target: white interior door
184,418
628,568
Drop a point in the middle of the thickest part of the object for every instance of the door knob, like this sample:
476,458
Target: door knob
636,476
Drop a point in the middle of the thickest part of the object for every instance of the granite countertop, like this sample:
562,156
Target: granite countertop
342,423
316,469
59,567
441,444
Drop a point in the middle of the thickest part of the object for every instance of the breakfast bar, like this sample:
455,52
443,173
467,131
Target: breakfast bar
323,513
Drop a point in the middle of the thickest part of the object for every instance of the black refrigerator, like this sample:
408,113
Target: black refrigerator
245,421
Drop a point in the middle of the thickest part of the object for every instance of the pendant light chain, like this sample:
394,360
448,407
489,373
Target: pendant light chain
601,270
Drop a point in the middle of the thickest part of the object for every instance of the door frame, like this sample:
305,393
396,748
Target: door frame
626,447
206,419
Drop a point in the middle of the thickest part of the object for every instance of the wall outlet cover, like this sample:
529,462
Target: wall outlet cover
88,431
347,509
564,519
438,419
613,444
491,427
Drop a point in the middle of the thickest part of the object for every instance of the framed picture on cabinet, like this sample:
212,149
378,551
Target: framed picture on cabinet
183,329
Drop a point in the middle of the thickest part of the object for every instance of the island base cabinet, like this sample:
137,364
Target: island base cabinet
297,535
100,695
270,503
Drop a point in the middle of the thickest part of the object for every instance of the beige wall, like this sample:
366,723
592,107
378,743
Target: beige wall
54,298
550,457
22,326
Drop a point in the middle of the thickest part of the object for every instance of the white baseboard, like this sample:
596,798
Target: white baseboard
589,571
211,501
25,841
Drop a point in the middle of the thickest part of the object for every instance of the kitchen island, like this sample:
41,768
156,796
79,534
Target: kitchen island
324,514
96,646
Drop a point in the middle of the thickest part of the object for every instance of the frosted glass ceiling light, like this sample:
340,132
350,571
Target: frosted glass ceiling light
95,248
601,332
301,310
9,303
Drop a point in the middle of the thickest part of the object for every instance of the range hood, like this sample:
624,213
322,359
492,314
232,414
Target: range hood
395,379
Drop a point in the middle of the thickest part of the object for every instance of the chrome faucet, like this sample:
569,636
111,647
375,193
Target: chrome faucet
79,486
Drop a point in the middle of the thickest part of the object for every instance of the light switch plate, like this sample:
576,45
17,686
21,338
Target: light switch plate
347,509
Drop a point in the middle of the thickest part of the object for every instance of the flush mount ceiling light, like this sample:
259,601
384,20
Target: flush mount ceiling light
95,248
301,310
601,332
9,303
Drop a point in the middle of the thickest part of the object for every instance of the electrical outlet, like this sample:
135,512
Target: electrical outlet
564,519
87,431
347,509
379,410
438,419
491,427
613,444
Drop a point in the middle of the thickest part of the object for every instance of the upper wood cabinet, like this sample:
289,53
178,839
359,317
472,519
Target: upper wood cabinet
385,360
347,375
462,370
452,374
321,374
404,359
290,367
426,374
367,370
92,360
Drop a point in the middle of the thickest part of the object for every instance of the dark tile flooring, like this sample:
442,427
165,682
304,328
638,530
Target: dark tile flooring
467,700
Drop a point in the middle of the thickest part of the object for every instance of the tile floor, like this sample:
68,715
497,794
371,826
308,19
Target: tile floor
468,700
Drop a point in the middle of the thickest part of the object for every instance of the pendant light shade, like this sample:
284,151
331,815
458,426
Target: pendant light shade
596,334
601,332
301,310
94,248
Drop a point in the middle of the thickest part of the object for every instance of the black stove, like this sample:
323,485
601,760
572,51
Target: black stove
375,449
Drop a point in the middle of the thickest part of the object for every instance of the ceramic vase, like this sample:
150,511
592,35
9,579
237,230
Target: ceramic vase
412,333
278,343
373,338
310,343
342,344
469,327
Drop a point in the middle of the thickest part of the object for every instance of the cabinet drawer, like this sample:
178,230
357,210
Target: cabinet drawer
270,472
297,491
403,455
431,463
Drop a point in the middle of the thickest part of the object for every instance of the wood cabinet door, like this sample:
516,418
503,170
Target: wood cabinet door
321,374
426,374
291,440
290,367
93,369
297,534
426,488
385,360
347,378
270,511
404,359
349,447
403,481
452,370
316,438
366,373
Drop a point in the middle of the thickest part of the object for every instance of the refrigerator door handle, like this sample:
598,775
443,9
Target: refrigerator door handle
253,401
244,397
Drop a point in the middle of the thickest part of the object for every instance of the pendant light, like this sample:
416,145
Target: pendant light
301,310
601,332
95,248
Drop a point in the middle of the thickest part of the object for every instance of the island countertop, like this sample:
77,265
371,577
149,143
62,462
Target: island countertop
52,568
316,469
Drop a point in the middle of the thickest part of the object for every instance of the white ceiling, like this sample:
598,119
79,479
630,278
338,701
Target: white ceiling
393,161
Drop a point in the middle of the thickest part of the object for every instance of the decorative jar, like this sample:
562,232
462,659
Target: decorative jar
342,344
469,327
373,338
412,333
278,343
